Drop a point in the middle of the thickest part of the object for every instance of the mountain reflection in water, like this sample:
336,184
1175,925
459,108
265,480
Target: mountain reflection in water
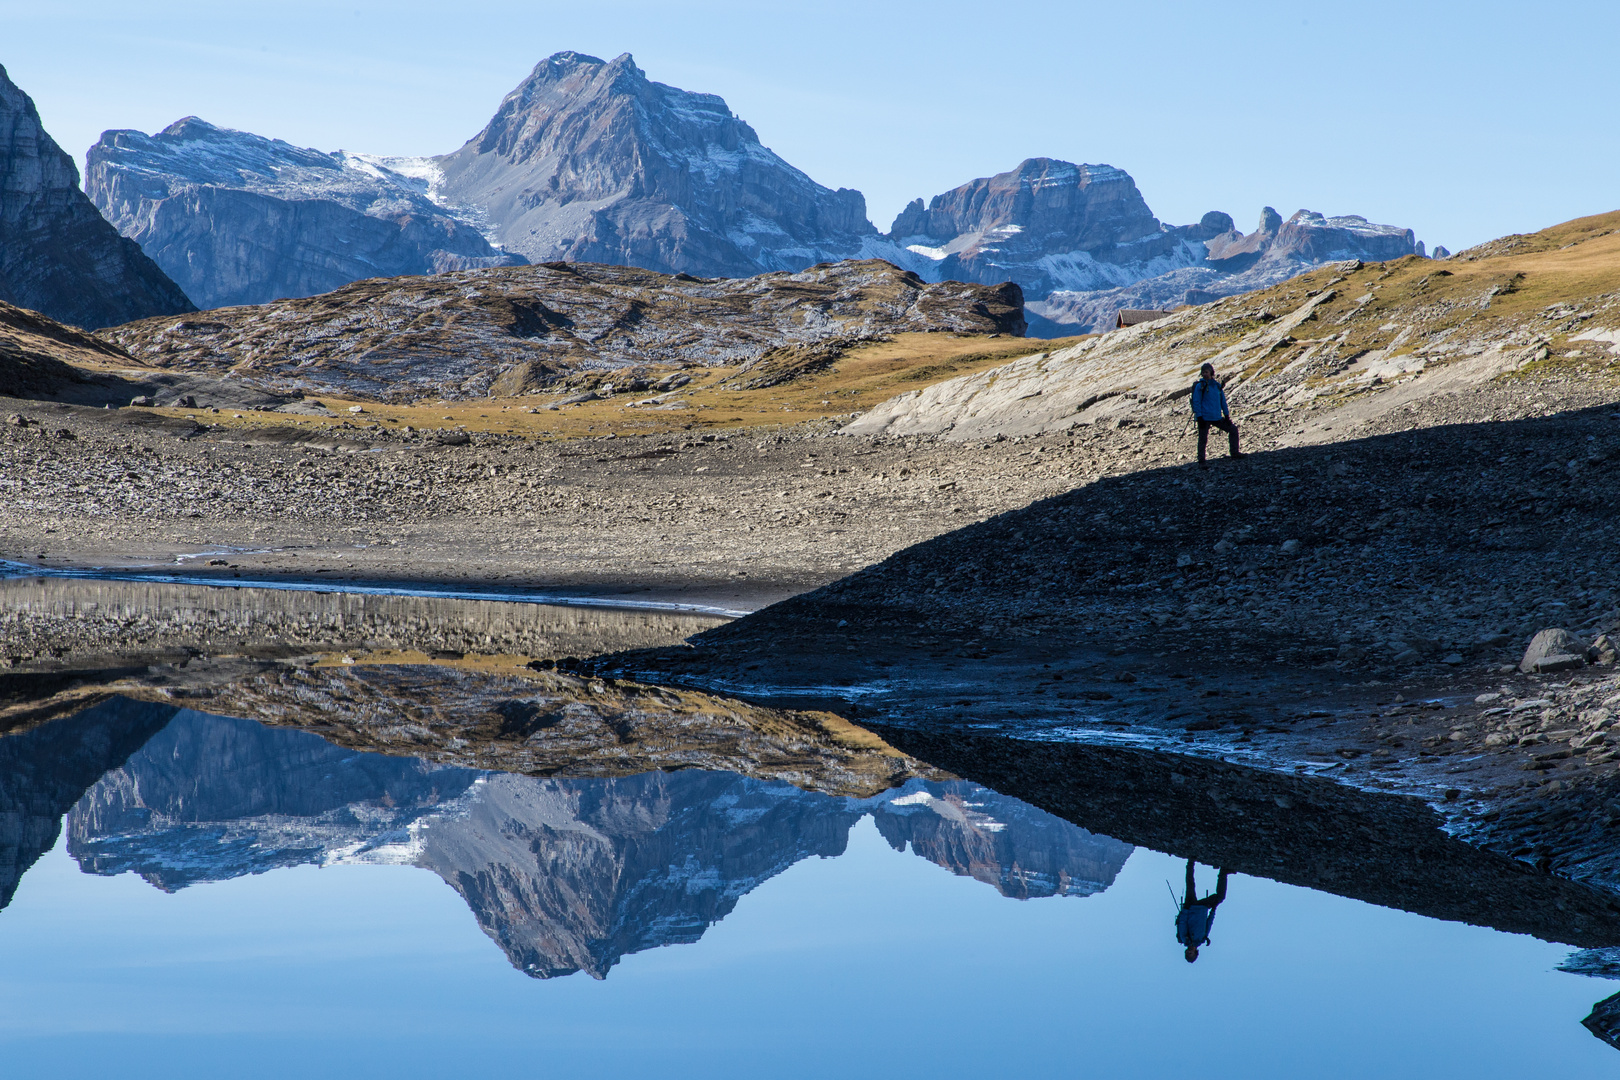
572,873
564,874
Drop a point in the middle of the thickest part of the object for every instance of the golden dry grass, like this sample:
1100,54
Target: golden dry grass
862,378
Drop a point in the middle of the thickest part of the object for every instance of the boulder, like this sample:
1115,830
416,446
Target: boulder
1553,650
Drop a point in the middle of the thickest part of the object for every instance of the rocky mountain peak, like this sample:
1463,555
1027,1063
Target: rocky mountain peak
590,161
1046,224
57,255
1085,206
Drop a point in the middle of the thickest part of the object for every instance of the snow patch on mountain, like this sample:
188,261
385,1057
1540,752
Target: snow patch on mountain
237,218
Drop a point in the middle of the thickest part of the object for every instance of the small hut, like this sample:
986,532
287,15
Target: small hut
1133,316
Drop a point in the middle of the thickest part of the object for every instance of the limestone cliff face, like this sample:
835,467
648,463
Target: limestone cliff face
57,255
1047,225
240,219
590,161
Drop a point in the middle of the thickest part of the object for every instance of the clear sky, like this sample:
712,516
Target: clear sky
1464,121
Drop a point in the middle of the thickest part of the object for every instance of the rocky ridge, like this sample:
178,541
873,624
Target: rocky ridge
236,218
515,329
57,254
1234,264
43,360
1082,243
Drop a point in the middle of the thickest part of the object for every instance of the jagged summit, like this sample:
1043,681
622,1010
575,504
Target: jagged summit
57,255
238,218
1308,237
588,160
1047,224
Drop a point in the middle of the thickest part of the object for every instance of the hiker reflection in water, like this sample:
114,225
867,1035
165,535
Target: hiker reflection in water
1197,916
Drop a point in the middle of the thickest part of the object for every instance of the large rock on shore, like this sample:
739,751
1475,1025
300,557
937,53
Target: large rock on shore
57,254
240,219
1554,650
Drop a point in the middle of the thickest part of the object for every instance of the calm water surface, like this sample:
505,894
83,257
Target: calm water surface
239,901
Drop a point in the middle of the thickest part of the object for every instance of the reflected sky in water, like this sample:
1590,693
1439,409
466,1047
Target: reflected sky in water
870,961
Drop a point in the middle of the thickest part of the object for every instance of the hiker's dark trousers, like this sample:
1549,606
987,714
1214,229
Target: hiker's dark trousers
1226,425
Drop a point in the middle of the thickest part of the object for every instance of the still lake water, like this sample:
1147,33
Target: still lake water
239,901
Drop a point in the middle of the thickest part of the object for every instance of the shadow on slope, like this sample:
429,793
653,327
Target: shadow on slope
1447,539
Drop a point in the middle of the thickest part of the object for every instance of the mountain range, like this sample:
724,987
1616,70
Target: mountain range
588,160
1082,243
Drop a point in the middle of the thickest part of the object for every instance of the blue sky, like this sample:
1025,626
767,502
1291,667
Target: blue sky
1462,121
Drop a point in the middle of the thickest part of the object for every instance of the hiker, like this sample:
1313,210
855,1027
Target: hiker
1209,409
1197,916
